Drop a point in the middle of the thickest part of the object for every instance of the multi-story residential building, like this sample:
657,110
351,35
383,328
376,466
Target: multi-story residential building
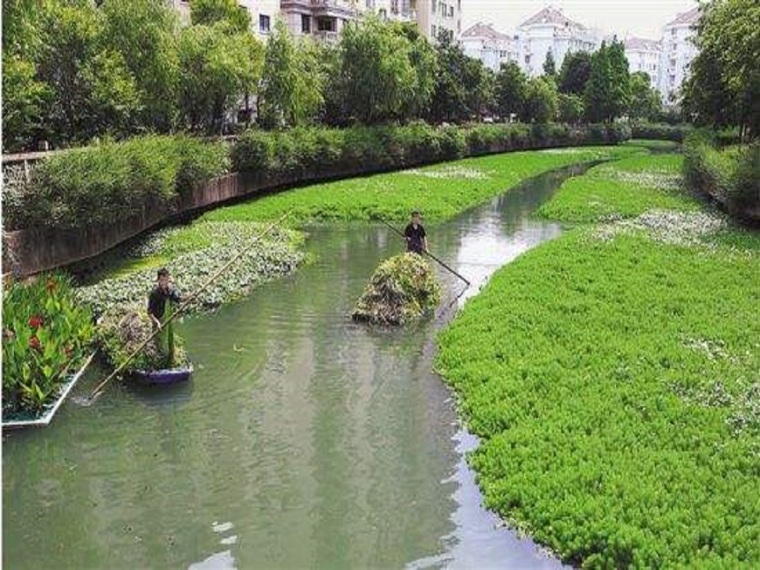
263,13
436,16
678,51
322,19
551,31
493,48
644,55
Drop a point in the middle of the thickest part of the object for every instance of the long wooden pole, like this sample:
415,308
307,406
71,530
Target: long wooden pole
99,388
429,254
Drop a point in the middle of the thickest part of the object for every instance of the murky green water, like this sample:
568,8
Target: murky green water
302,441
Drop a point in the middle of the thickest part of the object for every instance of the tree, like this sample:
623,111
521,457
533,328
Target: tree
550,68
92,91
598,95
511,90
291,84
574,73
144,33
217,70
386,75
570,108
540,100
620,87
645,100
724,83
462,87
226,12
24,101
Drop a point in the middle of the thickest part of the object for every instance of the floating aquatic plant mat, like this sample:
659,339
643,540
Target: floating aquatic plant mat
402,289
194,253
121,334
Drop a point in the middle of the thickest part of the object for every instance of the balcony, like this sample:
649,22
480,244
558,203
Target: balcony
326,37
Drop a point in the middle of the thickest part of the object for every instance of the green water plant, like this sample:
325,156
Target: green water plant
402,289
443,191
612,378
46,337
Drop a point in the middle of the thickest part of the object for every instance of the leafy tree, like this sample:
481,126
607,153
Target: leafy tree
217,70
463,85
227,12
291,84
575,72
570,108
724,83
645,100
92,91
511,90
540,100
388,71
620,88
24,102
598,94
550,68
144,33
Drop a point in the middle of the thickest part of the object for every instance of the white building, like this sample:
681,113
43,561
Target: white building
678,51
551,31
493,48
644,55
435,16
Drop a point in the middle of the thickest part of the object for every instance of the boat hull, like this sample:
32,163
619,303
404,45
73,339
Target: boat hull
163,377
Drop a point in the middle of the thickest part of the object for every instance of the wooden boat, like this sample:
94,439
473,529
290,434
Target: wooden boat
164,377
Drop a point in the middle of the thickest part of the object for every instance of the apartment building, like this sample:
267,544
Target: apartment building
435,16
263,13
678,51
493,48
551,31
644,55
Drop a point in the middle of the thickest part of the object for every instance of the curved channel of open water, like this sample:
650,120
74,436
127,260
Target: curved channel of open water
303,440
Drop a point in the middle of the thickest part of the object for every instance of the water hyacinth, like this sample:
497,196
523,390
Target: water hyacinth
218,242
402,289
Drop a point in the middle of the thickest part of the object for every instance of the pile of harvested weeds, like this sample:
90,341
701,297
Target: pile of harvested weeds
402,289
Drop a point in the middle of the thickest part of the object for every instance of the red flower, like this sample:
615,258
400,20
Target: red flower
35,343
68,350
51,285
35,322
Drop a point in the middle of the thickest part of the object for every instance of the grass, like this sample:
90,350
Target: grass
623,189
440,191
613,378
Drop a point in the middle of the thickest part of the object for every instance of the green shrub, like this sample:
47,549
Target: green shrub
99,186
731,176
46,335
660,131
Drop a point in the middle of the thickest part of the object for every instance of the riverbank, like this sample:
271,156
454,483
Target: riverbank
612,376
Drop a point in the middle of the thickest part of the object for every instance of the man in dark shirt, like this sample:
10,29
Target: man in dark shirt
163,292
416,238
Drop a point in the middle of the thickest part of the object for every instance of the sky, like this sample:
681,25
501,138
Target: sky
641,18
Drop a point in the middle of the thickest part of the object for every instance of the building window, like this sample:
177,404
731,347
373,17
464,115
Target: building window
451,11
383,13
264,23
434,5
433,31
327,24
305,24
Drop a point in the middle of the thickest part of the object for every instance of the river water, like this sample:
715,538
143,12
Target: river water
302,441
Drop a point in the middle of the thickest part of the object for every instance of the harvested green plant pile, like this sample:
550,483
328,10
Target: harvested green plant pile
121,334
402,289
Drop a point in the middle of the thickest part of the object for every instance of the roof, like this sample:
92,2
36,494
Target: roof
481,30
641,44
550,15
686,18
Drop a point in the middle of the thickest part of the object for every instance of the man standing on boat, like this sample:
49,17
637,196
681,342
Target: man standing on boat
160,307
416,238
